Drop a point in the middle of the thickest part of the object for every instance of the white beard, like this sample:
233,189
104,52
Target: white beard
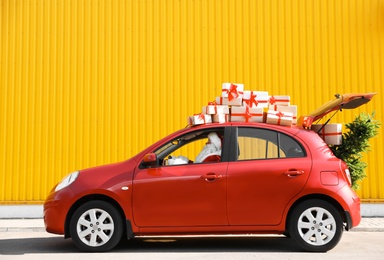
207,150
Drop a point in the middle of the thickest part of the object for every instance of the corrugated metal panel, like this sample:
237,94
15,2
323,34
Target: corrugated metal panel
85,83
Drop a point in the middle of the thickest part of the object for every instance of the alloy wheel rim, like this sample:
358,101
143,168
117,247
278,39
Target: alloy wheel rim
95,227
316,226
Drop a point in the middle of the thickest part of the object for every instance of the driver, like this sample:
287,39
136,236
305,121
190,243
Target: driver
211,151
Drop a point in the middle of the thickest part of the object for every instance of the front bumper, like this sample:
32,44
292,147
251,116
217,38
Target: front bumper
56,208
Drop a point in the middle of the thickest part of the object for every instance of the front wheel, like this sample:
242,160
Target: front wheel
316,225
96,226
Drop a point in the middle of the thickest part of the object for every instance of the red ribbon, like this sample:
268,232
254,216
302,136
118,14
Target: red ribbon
213,103
307,121
273,100
324,134
200,116
279,114
247,115
251,100
232,92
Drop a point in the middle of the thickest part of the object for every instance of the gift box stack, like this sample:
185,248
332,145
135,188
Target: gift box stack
238,105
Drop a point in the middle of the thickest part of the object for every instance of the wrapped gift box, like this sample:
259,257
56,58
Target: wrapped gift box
213,109
331,133
256,98
247,114
232,90
279,118
291,109
225,101
199,119
220,118
278,100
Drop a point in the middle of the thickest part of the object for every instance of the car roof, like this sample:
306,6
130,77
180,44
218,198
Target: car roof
292,129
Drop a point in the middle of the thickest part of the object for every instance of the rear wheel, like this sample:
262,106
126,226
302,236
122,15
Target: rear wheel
96,226
316,225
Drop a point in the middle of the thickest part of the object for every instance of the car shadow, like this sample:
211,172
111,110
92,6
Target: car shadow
20,246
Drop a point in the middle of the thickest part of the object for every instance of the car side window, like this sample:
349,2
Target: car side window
256,144
196,147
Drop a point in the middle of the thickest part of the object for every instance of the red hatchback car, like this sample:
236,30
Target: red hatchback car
250,178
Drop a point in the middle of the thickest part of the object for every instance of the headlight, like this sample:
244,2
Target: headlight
67,180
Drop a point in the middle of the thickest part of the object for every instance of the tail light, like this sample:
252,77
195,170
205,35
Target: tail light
348,176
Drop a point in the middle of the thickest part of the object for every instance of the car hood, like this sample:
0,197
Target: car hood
345,101
105,176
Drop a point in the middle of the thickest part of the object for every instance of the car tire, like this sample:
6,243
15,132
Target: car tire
316,225
96,226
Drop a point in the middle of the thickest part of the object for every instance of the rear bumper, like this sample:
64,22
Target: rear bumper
352,211
348,221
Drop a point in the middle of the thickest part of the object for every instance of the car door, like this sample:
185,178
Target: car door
265,176
183,195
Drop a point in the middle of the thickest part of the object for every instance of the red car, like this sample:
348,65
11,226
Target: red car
250,178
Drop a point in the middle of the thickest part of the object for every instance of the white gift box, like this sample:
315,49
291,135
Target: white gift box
215,109
220,118
232,90
331,133
247,114
199,119
225,101
278,100
291,109
256,98
279,118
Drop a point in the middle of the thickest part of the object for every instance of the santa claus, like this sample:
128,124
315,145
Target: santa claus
211,151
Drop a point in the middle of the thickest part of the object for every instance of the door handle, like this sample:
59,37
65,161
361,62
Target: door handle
211,176
293,173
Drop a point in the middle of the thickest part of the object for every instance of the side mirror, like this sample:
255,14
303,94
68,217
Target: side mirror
150,159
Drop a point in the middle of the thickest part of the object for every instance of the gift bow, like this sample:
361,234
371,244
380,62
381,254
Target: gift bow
201,116
279,114
232,92
213,103
251,100
247,114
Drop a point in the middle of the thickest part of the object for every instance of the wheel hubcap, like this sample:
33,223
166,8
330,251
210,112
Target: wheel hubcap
317,226
95,227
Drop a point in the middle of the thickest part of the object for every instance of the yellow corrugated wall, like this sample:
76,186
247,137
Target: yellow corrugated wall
85,83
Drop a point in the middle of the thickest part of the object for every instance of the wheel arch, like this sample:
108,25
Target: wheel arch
326,198
91,197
